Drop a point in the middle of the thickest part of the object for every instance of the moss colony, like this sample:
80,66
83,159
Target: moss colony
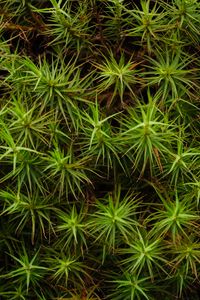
99,149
